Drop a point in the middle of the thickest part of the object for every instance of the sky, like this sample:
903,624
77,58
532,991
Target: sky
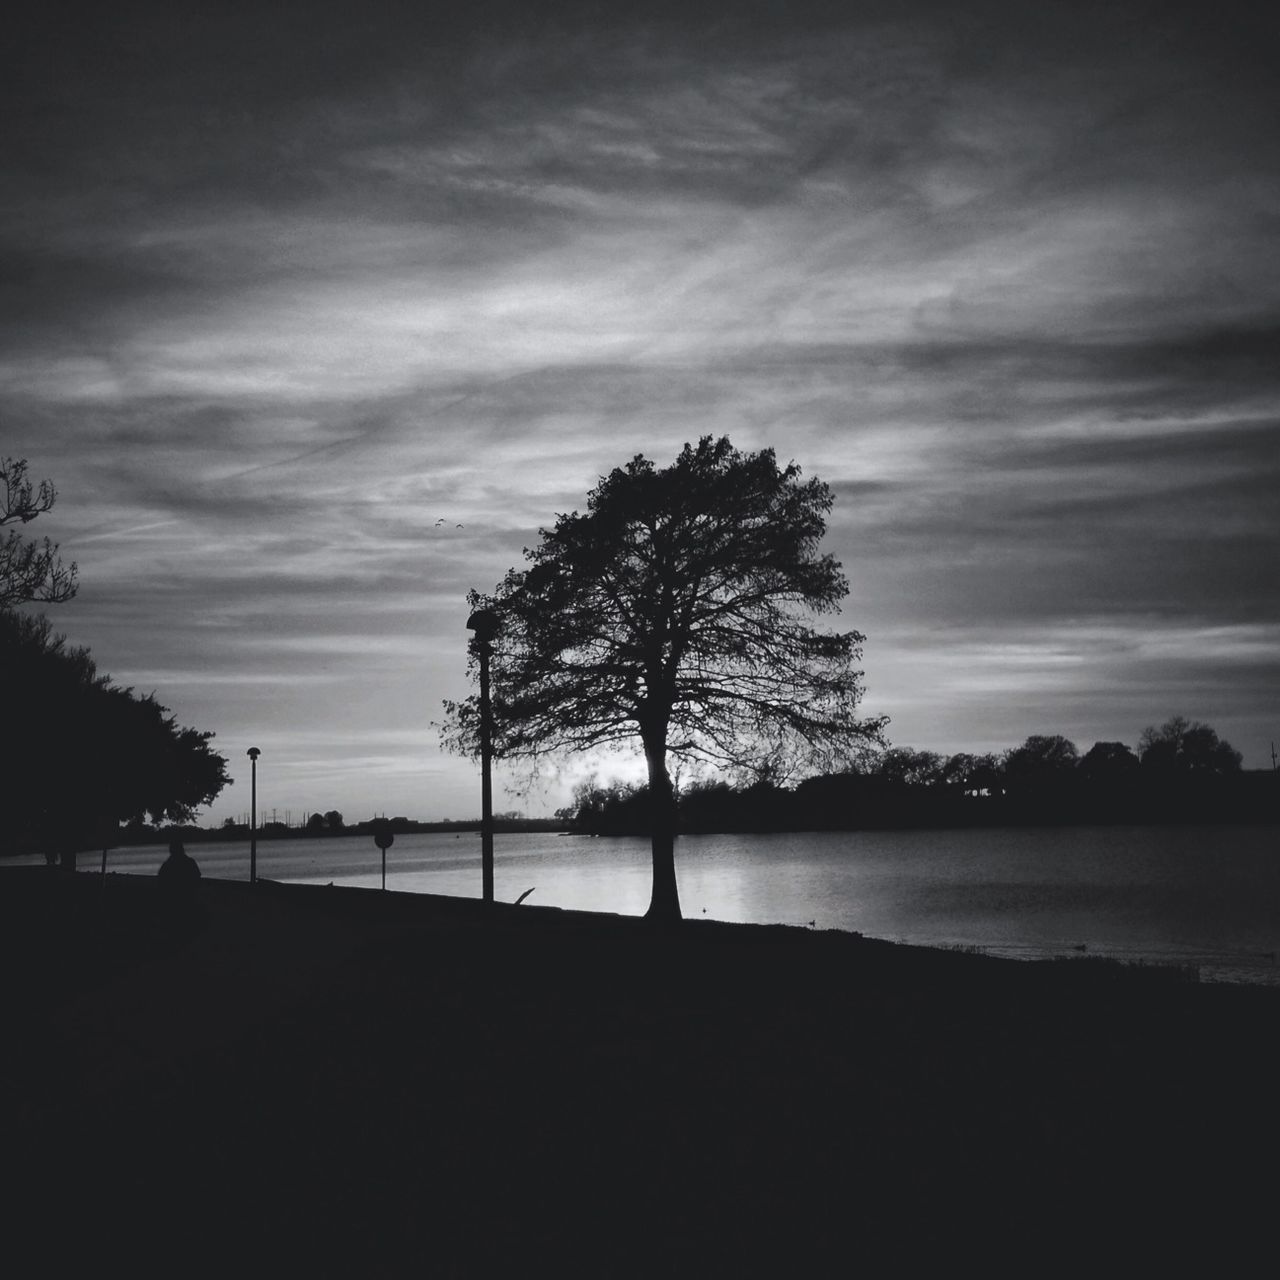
316,313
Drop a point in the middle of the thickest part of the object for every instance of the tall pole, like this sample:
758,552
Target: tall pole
486,778
484,622
254,753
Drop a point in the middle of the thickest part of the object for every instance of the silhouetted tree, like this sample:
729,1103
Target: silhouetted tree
79,751
1041,758
982,774
1108,762
830,801
710,806
1187,747
717,806
957,768
30,571
676,612
912,767
1040,778
333,820
613,809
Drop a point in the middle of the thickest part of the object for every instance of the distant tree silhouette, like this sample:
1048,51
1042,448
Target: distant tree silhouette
613,808
1182,746
976,774
912,767
957,768
1108,762
710,805
1040,777
905,788
969,773
334,820
78,751
676,613
30,571
1041,758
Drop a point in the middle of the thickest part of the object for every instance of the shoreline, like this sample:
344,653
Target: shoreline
1156,919
329,1069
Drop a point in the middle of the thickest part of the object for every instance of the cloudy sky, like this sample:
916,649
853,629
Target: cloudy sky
314,314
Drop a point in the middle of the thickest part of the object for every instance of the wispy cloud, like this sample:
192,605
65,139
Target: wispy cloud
315,322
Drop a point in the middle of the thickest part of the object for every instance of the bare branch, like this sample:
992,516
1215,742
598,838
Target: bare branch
30,571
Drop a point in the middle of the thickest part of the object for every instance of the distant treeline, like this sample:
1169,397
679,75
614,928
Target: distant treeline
1181,772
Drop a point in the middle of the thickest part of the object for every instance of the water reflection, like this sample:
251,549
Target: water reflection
1208,896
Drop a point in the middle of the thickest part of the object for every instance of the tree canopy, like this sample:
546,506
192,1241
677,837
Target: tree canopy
79,755
1042,760
1182,746
30,571
676,613
1108,761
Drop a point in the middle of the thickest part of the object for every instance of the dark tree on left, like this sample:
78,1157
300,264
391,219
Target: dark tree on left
79,755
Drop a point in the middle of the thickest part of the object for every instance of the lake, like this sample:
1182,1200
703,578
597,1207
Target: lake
1207,896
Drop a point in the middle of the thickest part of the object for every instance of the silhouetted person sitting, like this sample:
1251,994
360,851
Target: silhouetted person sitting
180,880
179,872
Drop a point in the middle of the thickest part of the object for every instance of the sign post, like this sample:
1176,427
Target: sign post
384,838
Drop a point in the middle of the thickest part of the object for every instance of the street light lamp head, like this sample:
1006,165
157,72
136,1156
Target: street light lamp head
485,623
253,753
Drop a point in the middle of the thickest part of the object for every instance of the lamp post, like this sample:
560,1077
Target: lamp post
484,622
253,754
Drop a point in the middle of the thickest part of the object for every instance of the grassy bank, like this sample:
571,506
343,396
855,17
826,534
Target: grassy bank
354,1082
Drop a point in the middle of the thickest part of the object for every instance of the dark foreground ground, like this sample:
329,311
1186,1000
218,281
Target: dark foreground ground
322,1081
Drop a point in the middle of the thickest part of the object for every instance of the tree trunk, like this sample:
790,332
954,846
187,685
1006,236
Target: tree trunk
664,901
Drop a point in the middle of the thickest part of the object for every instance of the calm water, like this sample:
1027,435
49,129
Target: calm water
1205,896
